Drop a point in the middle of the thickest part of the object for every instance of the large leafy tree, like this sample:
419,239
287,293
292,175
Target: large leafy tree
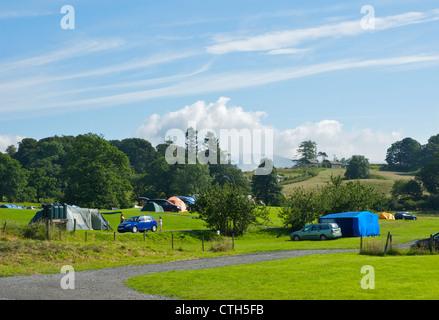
404,155
228,209
266,187
429,175
358,168
13,179
97,174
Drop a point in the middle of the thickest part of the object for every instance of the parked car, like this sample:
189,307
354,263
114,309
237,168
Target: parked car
405,216
317,231
165,204
426,242
138,223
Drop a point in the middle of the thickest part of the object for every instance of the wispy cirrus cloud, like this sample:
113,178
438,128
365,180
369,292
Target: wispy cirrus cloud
23,14
79,49
233,81
277,40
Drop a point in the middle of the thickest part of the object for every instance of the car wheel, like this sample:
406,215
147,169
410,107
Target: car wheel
134,230
323,237
154,228
296,238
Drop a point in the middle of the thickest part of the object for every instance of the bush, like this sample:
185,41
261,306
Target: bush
223,245
35,231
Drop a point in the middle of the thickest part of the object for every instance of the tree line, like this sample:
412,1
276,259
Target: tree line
89,171
408,155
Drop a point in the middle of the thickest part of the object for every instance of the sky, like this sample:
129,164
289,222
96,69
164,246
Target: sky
353,76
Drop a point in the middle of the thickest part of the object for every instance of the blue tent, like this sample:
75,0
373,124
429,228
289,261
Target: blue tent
12,206
355,224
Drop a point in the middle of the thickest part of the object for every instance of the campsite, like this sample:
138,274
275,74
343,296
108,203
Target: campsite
92,242
183,237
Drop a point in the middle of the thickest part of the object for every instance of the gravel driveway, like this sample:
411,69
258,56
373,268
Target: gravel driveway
108,284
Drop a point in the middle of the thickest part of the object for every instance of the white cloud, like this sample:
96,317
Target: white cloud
7,140
330,135
333,139
214,116
287,51
288,38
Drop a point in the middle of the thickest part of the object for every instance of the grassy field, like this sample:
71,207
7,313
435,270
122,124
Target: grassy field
20,256
330,276
382,181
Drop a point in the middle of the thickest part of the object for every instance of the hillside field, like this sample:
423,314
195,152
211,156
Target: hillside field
382,181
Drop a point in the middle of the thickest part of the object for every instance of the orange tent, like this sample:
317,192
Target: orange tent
178,202
386,215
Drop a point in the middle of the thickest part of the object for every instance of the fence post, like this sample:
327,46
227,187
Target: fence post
144,236
431,243
47,229
4,227
387,243
233,241
202,243
85,236
74,225
114,236
361,242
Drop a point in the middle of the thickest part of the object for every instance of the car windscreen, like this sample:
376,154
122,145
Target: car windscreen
132,219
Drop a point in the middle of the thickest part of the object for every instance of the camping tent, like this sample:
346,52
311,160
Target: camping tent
152,207
86,219
355,224
11,206
178,202
386,215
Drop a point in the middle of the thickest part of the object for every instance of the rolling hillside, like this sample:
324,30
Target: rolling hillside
381,180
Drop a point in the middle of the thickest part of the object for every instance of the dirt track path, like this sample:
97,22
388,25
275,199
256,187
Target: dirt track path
108,284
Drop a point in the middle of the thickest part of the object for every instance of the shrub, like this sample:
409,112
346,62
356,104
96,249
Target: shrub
223,245
35,231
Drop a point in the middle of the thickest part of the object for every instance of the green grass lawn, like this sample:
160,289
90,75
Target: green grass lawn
330,276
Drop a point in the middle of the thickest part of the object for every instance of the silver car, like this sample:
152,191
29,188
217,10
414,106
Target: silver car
318,231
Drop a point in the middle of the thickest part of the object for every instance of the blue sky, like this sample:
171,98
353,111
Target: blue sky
305,69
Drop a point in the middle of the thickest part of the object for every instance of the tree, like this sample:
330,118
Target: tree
429,150
266,187
11,150
404,155
228,209
300,209
307,150
358,168
139,151
13,179
97,174
429,175
26,148
407,189
304,206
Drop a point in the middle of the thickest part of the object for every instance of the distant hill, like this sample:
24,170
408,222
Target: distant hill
279,162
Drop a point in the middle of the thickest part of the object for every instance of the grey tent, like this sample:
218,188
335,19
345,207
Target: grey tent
86,219
152,207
